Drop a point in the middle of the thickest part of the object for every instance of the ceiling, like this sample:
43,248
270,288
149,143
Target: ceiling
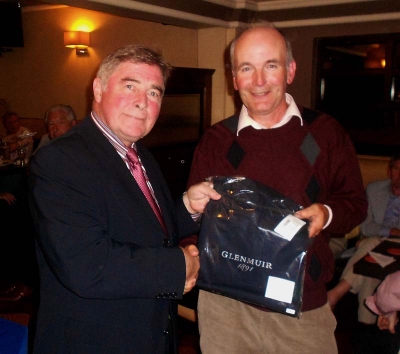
236,13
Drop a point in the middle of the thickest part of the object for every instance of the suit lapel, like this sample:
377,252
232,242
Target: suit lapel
133,200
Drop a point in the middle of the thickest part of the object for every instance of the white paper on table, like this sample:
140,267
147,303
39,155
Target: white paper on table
381,259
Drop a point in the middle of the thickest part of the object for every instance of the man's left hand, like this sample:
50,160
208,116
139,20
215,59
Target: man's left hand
317,214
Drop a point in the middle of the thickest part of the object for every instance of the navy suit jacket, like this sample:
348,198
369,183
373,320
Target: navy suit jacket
108,284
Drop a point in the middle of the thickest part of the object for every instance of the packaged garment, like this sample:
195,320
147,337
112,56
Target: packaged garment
252,247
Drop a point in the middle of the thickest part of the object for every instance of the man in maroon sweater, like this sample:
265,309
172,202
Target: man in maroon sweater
306,156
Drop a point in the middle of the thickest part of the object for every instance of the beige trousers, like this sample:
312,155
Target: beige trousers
228,326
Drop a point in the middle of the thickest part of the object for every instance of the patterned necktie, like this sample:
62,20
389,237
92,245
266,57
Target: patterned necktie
136,169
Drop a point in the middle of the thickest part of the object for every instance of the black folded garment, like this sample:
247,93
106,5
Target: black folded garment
244,254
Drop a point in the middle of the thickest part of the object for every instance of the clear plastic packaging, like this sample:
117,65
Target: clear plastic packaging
251,246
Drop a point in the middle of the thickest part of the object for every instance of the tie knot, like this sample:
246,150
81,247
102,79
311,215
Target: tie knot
132,156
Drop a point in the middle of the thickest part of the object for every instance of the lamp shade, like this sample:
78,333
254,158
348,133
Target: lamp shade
76,39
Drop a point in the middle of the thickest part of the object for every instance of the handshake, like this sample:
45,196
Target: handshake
195,200
192,266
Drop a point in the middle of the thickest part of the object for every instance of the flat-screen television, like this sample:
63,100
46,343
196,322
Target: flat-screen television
11,32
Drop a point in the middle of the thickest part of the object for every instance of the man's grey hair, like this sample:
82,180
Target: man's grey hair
263,24
134,53
70,114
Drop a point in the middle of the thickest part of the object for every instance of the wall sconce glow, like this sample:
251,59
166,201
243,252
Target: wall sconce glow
79,40
82,24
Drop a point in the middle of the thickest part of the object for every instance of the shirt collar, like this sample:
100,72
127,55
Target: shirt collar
109,134
245,120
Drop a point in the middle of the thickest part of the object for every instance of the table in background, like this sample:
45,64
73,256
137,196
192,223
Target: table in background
365,266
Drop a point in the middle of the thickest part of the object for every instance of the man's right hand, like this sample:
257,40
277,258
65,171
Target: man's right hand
192,266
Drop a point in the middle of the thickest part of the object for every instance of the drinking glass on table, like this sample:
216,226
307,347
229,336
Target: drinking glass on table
5,149
21,157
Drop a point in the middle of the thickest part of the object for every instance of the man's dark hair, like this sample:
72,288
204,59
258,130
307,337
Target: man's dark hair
8,114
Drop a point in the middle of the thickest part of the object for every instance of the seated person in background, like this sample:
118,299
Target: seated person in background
382,222
386,302
58,120
14,129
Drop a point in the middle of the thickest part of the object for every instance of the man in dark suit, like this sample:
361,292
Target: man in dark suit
110,269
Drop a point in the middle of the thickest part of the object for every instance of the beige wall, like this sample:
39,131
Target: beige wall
44,72
212,43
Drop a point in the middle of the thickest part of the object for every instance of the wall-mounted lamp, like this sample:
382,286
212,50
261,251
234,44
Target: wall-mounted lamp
78,40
